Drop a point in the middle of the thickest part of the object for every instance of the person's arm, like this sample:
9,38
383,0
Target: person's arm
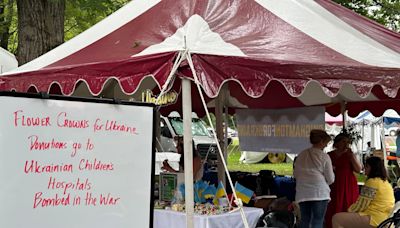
196,165
167,167
328,171
355,164
366,196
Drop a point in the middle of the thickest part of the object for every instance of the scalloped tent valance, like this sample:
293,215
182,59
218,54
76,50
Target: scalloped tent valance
267,54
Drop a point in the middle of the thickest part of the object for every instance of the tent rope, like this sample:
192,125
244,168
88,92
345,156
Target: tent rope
178,61
186,55
237,200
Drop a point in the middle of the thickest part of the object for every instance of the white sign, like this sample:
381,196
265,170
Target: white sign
278,130
74,164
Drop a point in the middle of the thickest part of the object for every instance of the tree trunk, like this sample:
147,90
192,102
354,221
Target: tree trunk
40,27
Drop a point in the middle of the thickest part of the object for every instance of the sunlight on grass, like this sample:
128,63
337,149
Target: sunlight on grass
280,169
235,165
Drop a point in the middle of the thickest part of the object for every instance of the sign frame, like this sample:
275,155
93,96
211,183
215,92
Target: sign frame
46,96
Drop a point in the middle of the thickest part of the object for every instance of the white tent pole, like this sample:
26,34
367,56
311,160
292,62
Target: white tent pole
187,148
344,113
362,142
238,201
373,143
383,143
225,152
219,106
362,138
362,135
187,140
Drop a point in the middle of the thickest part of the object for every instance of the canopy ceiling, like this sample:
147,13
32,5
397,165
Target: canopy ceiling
268,53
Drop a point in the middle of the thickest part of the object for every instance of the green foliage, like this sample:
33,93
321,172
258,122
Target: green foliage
354,135
386,12
231,120
82,14
361,177
8,24
79,16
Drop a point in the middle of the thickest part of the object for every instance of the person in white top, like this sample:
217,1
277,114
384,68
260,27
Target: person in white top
313,172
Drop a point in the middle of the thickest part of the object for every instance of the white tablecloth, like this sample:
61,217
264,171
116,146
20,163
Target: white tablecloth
167,218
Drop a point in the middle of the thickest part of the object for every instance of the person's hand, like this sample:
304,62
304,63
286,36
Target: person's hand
348,151
165,164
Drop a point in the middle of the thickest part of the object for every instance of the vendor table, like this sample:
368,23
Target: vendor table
168,218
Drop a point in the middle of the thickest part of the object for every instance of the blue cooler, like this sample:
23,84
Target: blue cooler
285,187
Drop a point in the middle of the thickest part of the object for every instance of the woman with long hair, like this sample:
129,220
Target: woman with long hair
375,202
344,191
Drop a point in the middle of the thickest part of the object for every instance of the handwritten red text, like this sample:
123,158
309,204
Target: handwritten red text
35,167
63,121
79,184
97,165
45,145
28,121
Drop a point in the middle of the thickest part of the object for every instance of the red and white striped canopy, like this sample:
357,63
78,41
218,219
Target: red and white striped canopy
270,53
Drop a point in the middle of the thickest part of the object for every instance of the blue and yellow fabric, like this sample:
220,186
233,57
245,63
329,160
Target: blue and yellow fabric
243,193
219,193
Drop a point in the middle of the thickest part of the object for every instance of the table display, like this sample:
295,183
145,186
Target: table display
169,218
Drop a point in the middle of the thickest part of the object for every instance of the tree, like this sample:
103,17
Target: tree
82,14
40,27
6,15
386,12
74,16
44,24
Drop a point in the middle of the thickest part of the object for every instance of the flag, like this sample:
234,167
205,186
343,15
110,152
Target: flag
209,193
197,198
199,187
219,193
181,188
220,190
243,193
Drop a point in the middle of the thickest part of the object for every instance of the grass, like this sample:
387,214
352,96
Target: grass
234,164
280,169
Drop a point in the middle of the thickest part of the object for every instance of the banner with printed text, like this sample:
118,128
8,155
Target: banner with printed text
278,130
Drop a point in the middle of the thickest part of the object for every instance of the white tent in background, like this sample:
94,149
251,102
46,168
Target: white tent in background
333,126
7,61
364,124
391,113
372,128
